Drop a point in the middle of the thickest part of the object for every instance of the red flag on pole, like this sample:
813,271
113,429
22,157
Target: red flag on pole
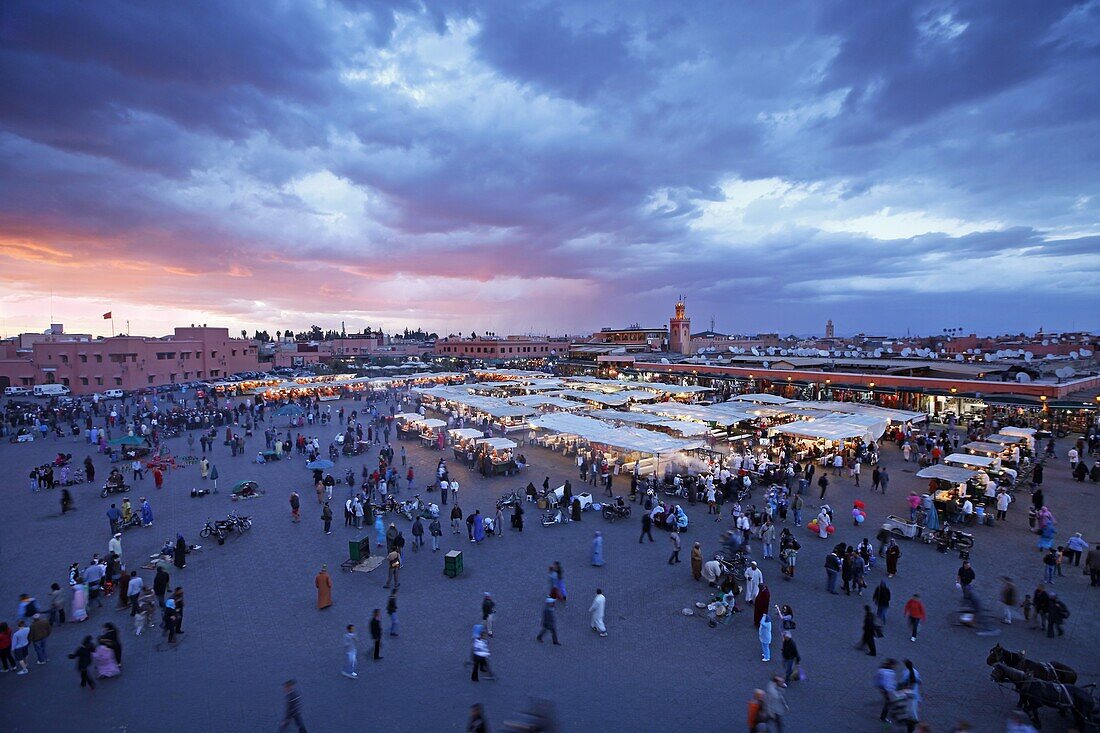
107,316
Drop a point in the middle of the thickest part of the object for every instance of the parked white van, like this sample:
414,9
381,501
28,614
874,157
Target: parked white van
114,394
14,391
51,390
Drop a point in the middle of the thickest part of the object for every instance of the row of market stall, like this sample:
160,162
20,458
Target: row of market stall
630,425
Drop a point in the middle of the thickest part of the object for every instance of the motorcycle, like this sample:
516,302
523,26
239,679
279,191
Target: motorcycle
134,521
509,500
551,517
349,477
238,522
214,529
109,488
612,512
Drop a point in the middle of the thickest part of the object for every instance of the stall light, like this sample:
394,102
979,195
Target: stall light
1042,398
953,390
871,385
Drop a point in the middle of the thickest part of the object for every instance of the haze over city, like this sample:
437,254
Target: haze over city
549,168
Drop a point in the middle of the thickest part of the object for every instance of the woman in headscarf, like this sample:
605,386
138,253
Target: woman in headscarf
697,561
893,552
146,513
179,557
597,549
823,524
104,659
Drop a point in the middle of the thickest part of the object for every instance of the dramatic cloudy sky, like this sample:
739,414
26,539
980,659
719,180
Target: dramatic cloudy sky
537,166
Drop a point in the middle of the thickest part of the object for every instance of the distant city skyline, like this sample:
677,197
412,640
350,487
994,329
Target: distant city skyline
525,167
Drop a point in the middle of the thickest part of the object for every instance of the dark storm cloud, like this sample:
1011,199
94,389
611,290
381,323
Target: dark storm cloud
611,150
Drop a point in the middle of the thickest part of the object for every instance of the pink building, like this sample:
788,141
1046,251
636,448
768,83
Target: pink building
88,365
512,347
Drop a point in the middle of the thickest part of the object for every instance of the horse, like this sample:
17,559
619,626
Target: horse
1050,672
1035,694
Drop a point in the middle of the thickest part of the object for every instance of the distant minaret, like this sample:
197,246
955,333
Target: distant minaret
829,329
679,330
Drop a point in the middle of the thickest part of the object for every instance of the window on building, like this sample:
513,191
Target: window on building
99,380
118,381
64,359
84,381
83,358
65,381
99,358
198,375
151,377
234,352
213,354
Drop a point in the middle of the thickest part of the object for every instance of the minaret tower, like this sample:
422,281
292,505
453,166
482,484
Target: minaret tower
679,330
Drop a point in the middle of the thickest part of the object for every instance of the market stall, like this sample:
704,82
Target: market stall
622,446
462,443
431,432
494,456
949,486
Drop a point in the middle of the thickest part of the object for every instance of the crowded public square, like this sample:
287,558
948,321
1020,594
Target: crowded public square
635,635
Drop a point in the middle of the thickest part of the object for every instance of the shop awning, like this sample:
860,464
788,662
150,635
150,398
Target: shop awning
953,474
1072,405
1012,399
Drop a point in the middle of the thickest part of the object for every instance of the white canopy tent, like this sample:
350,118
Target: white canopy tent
723,414
953,474
647,420
624,438
433,424
760,398
465,434
966,459
1018,432
542,401
841,427
857,408
991,449
497,443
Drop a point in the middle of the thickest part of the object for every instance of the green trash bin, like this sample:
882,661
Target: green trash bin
359,549
452,564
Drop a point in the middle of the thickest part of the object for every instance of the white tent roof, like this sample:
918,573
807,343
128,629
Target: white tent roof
1003,439
497,443
537,400
764,399
836,427
597,431
980,447
432,423
947,473
722,414
647,420
858,408
612,400
465,433
408,416
965,459
1020,432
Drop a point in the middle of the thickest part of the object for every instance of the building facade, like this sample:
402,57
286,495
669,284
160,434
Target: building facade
88,365
490,347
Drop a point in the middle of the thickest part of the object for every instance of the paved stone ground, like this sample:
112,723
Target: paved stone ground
252,622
